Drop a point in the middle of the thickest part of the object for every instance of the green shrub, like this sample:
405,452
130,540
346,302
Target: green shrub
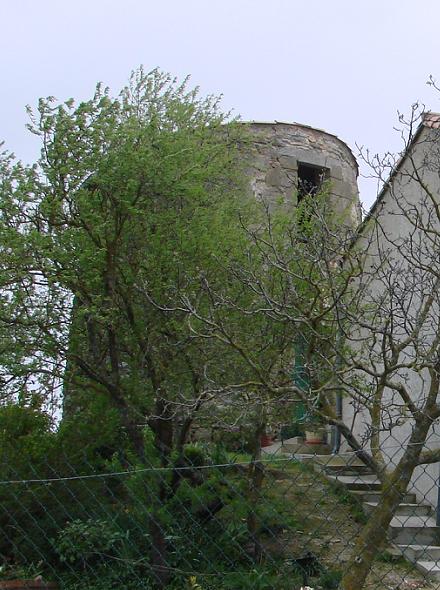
262,578
85,542
329,580
195,454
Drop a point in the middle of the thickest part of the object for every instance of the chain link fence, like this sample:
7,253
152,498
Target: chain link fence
210,519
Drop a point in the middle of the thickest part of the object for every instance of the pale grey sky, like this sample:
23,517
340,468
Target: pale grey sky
342,65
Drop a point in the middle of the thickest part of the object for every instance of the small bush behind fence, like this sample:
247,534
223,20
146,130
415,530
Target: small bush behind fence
212,520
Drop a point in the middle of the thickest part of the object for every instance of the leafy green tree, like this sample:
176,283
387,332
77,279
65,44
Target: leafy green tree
20,314
132,197
140,280
134,203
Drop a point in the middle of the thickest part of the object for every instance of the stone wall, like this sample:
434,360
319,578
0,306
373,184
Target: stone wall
278,148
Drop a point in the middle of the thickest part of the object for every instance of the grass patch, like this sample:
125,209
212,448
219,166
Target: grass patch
348,499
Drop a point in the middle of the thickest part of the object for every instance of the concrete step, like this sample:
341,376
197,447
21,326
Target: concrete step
343,469
302,450
341,464
372,496
357,482
430,569
413,531
341,459
404,509
348,470
408,530
419,552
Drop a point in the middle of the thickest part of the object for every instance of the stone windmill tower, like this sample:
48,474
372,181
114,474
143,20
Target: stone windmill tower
291,160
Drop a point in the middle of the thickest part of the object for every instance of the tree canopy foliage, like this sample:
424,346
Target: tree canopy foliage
133,198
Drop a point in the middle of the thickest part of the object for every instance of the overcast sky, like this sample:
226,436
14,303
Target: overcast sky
345,66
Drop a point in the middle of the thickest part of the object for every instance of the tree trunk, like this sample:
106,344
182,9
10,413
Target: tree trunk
180,462
374,533
256,478
159,552
163,441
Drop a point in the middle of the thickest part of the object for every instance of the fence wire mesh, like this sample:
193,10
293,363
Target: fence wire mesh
210,519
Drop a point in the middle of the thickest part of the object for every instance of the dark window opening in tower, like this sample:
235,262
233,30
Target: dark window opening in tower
310,179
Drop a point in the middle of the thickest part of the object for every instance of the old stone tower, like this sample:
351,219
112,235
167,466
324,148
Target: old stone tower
290,160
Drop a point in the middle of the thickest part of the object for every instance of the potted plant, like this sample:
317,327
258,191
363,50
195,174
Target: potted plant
266,440
315,431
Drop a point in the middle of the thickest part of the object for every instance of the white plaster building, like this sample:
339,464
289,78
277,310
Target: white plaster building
401,241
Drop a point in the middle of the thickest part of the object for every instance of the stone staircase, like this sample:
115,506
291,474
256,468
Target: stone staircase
413,532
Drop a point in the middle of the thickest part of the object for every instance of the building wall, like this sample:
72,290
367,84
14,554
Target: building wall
384,240
277,150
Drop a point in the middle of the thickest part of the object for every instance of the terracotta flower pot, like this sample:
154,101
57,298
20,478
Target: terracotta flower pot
266,440
36,584
314,437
